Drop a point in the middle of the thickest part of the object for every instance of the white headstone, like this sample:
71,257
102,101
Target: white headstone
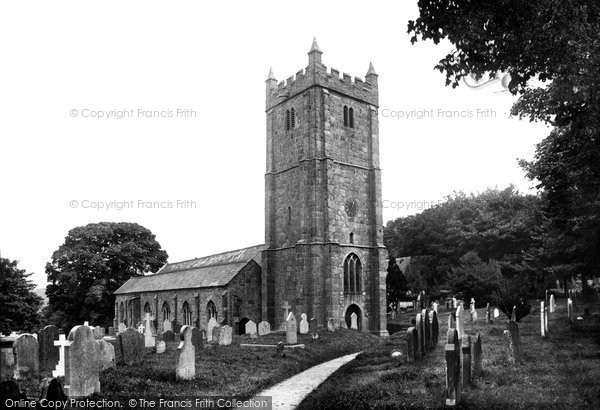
264,328
459,321
291,329
122,327
149,340
435,307
552,304
353,321
62,342
496,313
542,319
161,347
454,303
250,327
304,324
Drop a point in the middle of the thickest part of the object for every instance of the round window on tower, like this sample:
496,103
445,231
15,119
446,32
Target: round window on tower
351,207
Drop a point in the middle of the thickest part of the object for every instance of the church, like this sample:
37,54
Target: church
323,253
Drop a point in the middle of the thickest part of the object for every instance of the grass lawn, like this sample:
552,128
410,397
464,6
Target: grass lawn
561,371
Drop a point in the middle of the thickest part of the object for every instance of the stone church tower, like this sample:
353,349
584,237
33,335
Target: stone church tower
324,252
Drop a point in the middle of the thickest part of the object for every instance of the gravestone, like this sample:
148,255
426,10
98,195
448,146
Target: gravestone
552,304
161,347
435,329
111,331
216,333
452,352
452,320
426,329
185,368
51,390
514,341
197,339
168,336
98,332
61,343
7,358
291,329
209,329
122,327
48,353
474,316
476,356
454,303
459,321
82,368
496,313
203,336
132,347
250,327
303,324
26,351
167,325
149,340
264,328
546,320
226,335
420,343
412,341
488,314
570,310
542,319
466,360
435,306
106,354
313,326
280,348
353,321
330,325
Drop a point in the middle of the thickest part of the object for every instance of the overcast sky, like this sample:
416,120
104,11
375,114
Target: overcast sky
63,62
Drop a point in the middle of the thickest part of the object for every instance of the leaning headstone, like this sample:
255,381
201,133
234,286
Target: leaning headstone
264,328
167,325
161,347
26,351
51,390
552,304
452,351
353,321
168,336
420,342
435,329
98,332
122,327
48,353
291,329
216,333
496,313
132,346
186,357
280,348
412,341
303,324
82,368
226,335
106,354
313,326
459,321
542,319
330,325
466,360
62,344
209,328
514,341
476,356
250,327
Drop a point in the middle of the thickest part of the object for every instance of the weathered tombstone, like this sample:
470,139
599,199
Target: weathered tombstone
51,390
420,342
313,326
9,390
106,354
330,325
426,329
452,351
542,319
7,358
226,335
185,368
570,310
496,313
48,353
167,325
111,331
452,320
552,304
161,347
122,327
291,329
149,340
474,316
476,356
488,314
264,328
62,343
354,321
82,368
514,341
435,329
466,360
454,303
26,351
132,346
412,341
216,333
168,336
459,321
303,324
435,306
280,348
98,332
209,328
197,340
250,327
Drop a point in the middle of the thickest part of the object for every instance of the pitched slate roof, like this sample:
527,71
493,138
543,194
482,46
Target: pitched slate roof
209,271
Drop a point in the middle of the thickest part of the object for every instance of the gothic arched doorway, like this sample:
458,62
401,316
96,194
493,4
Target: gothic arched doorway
348,316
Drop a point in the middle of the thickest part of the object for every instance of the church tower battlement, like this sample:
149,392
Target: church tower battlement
324,253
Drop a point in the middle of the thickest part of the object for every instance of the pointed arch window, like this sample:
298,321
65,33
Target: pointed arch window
211,310
166,311
352,274
187,314
351,117
345,116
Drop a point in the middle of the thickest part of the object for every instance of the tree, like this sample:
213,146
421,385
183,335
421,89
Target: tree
94,261
18,304
556,43
395,282
475,279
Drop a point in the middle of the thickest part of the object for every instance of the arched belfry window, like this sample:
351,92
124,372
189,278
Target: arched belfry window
352,274
288,120
187,314
293,118
345,116
211,310
147,309
351,237
351,117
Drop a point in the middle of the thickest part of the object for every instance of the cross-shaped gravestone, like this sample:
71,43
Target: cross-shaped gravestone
86,323
62,342
148,338
286,306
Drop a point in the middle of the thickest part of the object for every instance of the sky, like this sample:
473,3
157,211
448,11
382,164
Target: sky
153,112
